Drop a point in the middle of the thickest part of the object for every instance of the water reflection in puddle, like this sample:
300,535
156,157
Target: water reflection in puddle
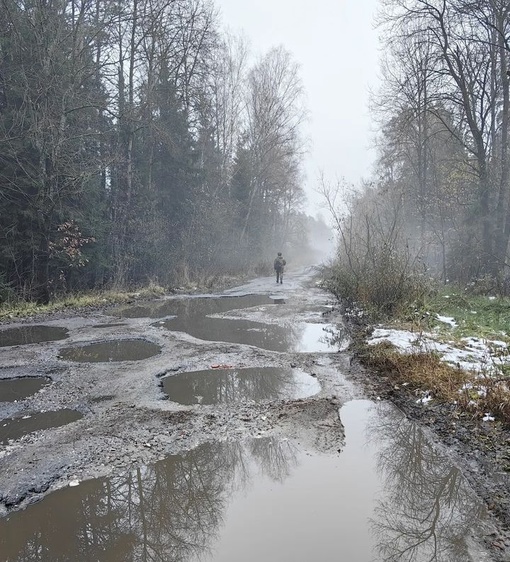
222,386
302,337
197,316
23,335
107,351
386,498
12,390
194,306
18,427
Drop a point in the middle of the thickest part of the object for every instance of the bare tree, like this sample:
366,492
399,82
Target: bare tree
467,91
275,113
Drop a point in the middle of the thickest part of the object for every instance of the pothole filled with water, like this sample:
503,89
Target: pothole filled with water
388,495
23,335
110,325
12,390
109,351
223,386
301,337
194,306
14,428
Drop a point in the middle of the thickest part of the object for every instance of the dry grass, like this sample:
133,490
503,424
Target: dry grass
472,392
24,309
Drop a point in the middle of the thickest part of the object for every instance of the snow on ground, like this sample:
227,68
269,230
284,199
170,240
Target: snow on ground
473,354
447,320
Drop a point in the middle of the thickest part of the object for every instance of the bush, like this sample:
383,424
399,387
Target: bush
382,287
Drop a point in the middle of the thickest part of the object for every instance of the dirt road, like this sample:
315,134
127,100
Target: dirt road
127,418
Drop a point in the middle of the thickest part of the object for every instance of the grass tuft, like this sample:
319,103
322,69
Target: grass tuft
424,371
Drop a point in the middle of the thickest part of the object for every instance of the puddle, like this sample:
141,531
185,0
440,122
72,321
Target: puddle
12,390
111,325
15,428
108,351
105,398
387,496
23,335
303,337
194,306
319,338
224,386
193,316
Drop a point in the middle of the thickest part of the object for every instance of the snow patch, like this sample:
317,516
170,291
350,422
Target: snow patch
447,320
475,354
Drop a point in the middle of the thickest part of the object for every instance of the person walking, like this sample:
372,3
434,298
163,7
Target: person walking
279,264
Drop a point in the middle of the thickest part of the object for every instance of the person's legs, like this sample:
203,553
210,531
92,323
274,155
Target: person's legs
277,275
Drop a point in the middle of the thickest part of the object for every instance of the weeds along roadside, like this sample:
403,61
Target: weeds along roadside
435,318
18,308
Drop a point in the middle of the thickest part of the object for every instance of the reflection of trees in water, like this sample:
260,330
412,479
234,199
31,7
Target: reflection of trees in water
230,385
276,458
335,336
258,334
326,334
190,307
170,511
427,511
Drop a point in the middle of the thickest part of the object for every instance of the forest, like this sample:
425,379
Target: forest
141,143
438,203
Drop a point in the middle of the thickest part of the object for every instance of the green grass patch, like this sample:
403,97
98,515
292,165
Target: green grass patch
475,315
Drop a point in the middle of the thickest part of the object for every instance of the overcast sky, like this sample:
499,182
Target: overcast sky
335,44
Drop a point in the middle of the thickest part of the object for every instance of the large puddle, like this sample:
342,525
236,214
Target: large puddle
301,337
12,390
223,386
108,351
23,335
198,317
15,428
194,306
387,496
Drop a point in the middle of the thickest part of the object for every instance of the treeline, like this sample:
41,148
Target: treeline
439,200
137,142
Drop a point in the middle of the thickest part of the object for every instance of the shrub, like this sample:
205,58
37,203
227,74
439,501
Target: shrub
383,286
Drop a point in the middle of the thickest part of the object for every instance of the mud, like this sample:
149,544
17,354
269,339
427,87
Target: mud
128,423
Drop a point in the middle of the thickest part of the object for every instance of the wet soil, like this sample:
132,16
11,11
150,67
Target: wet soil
128,421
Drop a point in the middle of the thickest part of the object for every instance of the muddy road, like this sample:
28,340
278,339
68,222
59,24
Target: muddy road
216,427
